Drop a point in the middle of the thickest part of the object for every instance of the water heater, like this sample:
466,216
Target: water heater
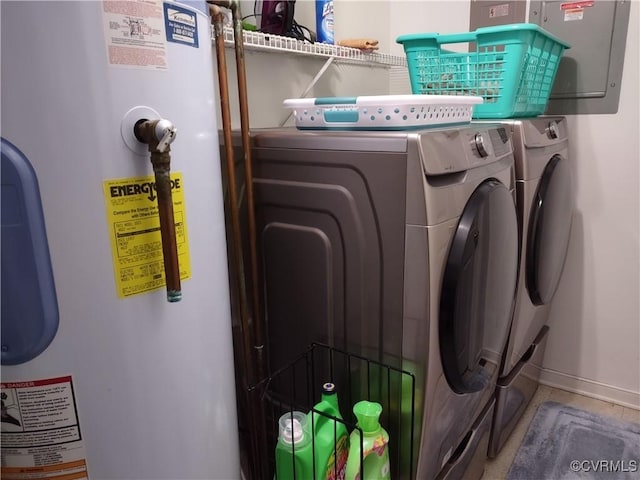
112,205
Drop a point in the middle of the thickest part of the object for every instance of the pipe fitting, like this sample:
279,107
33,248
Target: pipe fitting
158,135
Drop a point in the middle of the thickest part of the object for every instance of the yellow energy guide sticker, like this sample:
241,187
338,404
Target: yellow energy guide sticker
136,244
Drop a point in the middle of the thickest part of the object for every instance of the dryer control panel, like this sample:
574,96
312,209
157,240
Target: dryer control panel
452,151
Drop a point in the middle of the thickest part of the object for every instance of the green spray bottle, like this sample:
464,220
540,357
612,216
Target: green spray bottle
375,441
330,438
294,454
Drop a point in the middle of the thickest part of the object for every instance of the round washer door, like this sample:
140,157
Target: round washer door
478,288
549,229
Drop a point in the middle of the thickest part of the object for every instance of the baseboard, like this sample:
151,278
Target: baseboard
589,388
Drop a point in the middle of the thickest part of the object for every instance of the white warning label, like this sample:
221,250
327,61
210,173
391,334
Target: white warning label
572,15
41,436
575,10
134,32
499,10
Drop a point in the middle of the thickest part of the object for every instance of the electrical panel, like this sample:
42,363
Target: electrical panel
489,13
589,77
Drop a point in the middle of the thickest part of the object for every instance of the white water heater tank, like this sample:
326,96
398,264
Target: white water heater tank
102,377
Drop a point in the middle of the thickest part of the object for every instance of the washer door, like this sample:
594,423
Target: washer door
549,229
478,288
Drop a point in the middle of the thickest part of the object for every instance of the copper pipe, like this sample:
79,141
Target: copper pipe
161,162
146,132
255,413
251,221
248,177
236,247
248,169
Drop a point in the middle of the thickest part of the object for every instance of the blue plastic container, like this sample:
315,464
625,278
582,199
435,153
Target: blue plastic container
324,21
513,67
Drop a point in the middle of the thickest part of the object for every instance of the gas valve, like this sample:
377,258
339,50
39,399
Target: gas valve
158,135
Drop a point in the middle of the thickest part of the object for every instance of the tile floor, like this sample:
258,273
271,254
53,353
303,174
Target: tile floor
498,468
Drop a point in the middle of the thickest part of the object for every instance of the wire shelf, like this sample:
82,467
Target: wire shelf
267,42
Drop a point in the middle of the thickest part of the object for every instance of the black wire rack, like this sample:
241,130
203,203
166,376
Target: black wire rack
298,387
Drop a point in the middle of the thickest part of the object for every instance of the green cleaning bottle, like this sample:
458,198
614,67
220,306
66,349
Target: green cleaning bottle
330,438
294,454
375,441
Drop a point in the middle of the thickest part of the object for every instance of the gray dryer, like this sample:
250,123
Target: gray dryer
545,205
401,247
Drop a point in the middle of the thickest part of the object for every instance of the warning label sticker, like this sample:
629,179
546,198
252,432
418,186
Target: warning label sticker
41,436
572,15
134,32
575,10
499,11
136,243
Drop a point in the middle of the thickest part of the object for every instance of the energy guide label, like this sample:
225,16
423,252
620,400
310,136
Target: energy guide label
41,437
134,226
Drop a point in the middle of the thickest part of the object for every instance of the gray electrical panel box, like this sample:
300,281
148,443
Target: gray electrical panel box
590,73
489,13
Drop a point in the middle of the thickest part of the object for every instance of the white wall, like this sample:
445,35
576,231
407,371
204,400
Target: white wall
413,16
595,338
363,19
417,16
274,77
594,346
353,18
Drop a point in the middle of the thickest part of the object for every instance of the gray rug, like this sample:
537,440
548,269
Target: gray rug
565,443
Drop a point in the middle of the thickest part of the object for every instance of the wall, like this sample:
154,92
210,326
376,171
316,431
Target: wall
594,346
444,16
449,16
353,18
274,77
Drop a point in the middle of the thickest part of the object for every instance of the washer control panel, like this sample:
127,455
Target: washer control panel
493,142
478,141
451,151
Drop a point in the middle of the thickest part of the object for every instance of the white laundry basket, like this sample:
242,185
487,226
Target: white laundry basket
382,112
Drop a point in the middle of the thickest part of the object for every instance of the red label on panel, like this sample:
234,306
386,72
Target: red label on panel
572,5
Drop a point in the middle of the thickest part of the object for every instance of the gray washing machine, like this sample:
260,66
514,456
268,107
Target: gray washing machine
545,204
401,247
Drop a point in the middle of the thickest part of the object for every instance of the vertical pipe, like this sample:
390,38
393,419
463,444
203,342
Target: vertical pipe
256,413
236,246
248,374
161,169
248,172
258,332
258,322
